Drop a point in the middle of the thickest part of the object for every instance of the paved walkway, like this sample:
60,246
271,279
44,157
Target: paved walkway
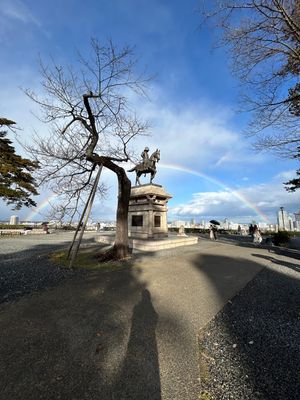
129,334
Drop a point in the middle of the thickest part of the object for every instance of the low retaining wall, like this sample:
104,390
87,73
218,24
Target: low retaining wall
10,232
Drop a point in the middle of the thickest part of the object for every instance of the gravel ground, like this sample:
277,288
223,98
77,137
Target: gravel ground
25,267
251,349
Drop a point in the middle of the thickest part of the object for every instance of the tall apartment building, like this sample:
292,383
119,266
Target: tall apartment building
14,220
297,220
283,220
291,223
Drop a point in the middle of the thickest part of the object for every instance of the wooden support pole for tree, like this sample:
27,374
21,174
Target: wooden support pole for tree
86,213
79,223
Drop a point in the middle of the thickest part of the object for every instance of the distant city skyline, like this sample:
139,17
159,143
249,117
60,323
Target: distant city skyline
283,220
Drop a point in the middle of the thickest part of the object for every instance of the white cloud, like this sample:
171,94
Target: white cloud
285,175
197,135
240,205
17,26
17,10
225,158
194,136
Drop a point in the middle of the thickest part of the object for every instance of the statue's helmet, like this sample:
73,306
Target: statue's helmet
146,149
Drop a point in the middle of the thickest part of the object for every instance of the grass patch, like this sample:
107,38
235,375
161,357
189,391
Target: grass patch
205,363
88,258
205,396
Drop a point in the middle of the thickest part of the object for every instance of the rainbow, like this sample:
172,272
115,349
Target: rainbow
176,167
220,184
36,210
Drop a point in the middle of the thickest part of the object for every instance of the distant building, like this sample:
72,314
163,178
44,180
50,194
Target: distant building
297,221
225,224
290,222
283,220
234,226
177,224
262,226
272,227
14,220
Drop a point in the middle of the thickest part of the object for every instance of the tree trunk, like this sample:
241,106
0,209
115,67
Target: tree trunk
121,248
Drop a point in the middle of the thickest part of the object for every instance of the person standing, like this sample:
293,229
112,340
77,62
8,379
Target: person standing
251,230
213,232
46,228
257,239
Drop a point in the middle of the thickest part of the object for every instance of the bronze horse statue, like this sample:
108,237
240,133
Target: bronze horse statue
149,168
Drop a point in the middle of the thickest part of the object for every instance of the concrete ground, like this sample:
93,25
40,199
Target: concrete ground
125,334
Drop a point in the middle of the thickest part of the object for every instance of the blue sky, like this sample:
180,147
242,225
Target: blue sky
206,163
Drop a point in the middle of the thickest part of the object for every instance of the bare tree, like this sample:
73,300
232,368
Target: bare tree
263,37
92,125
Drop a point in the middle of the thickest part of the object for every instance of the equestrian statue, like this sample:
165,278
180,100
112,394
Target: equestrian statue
147,166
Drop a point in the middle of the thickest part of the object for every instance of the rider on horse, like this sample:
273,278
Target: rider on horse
145,157
147,166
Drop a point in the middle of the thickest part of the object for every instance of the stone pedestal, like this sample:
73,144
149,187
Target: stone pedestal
147,215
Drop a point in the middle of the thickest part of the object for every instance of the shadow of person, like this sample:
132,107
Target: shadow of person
139,376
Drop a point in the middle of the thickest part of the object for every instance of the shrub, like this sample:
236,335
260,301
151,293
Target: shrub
68,228
281,238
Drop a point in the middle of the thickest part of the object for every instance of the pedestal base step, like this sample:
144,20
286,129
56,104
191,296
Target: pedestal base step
153,244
